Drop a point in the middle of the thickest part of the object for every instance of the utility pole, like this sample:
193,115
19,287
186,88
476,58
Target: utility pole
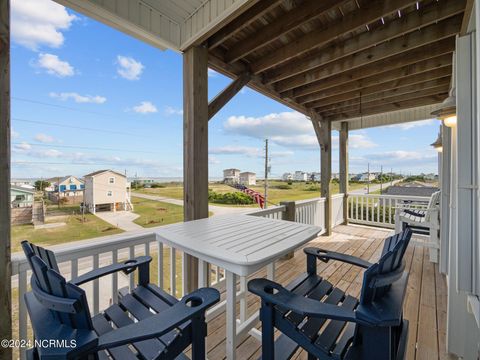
266,174
381,179
368,178
58,192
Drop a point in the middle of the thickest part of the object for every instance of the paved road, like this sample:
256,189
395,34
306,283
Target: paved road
373,187
120,219
216,210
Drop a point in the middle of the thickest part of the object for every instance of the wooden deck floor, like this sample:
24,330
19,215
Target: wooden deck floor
425,305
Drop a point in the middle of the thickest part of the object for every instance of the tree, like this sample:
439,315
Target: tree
41,185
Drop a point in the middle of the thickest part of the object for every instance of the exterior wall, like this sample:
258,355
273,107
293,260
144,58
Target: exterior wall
26,202
300,176
287,176
231,176
21,216
248,179
101,187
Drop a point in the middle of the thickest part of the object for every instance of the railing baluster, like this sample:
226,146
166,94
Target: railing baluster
160,264
184,274
378,210
115,278
96,292
383,210
173,267
22,310
132,274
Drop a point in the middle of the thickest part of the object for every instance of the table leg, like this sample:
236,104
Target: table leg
202,273
231,340
243,299
271,271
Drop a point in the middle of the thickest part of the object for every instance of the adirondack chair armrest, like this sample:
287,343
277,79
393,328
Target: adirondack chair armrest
191,307
273,293
127,267
326,256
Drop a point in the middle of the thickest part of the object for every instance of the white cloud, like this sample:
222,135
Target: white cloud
38,23
145,107
169,110
44,138
23,146
289,129
14,134
54,66
212,73
129,68
413,124
404,156
212,160
235,150
64,96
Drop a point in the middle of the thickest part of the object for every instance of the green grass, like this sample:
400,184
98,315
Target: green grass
74,230
298,191
155,213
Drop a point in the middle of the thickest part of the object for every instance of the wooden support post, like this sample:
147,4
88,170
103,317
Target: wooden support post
5,261
323,130
227,94
344,169
195,143
288,215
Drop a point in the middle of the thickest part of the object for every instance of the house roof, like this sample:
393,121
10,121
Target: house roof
103,171
231,169
411,190
247,173
21,189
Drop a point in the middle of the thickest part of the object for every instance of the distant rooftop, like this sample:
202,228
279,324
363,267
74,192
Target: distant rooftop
411,190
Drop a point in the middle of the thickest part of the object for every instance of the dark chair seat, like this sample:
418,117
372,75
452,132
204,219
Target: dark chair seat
313,314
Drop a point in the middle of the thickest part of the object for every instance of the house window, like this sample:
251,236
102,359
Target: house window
63,187
73,187
109,193
111,180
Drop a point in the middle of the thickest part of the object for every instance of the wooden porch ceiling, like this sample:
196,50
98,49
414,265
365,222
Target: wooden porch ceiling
341,59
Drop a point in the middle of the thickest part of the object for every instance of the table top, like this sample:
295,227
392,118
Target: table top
241,244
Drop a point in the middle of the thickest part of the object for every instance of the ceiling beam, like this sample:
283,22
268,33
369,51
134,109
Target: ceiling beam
240,22
414,101
289,21
442,47
236,69
466,16
406,24
227,94
365,101
428,35
374,10
406,81
379,79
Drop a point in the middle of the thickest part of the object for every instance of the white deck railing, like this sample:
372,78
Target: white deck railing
167,268
379,210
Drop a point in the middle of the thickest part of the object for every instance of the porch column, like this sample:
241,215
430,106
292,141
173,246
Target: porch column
344,169
323,130
195,145
5,263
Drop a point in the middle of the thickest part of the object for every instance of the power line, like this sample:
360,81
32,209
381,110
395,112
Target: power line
72,163
62,107
84,147
80,127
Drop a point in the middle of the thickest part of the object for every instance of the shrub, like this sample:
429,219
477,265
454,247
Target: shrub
290,183
282,187
313,188
233,198
157,185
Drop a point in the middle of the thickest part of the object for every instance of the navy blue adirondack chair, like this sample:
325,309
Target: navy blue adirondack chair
329,324
148,323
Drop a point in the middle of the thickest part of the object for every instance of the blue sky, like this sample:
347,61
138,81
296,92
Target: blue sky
85,97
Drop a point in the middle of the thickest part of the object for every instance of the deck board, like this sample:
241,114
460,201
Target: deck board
425,304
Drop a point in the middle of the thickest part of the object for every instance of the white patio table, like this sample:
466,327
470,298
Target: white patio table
240,244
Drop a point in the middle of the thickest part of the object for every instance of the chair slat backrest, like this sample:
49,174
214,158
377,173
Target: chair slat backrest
379,277
46,255
432,203
46,280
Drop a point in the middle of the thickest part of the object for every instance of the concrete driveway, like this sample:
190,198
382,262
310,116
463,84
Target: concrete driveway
120,219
